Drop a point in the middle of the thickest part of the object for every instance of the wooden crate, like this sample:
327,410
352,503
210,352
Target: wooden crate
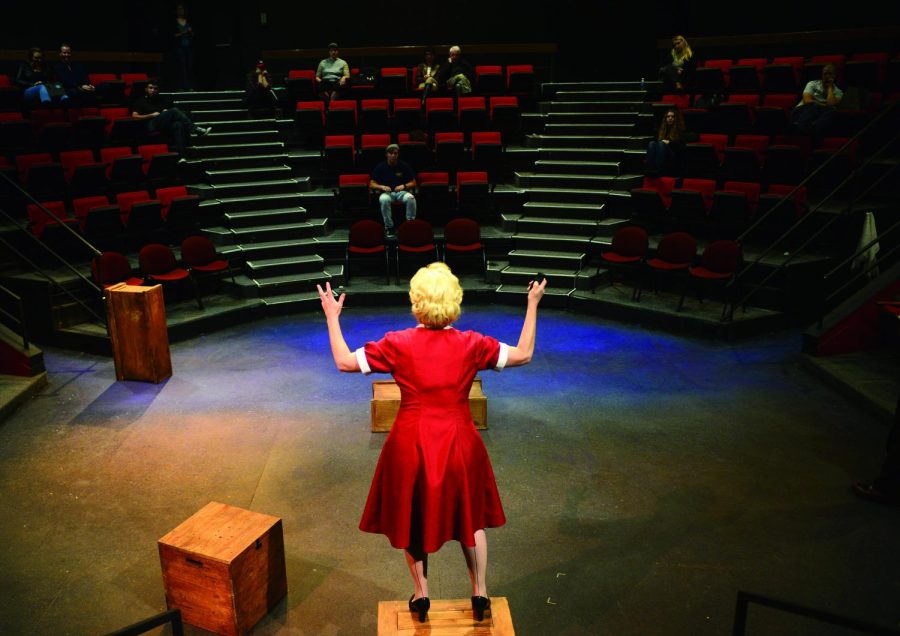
386,404
445,618
138,331
224,568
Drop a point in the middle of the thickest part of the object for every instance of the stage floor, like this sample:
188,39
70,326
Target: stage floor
646,478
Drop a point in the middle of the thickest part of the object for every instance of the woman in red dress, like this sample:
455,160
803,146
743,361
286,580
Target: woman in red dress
434,481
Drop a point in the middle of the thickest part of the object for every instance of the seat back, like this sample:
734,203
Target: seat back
721,257
366,234
156,258
415,233
677,247
197,250
462,231
630,241
109,268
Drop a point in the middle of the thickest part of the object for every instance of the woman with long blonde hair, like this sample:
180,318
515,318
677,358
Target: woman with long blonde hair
679,73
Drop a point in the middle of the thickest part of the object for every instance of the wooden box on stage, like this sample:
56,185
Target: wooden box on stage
445,618
137,328
386,403
224,568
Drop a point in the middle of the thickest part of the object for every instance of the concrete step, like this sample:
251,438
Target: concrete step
561,166
304,282
544,260
583,211
269,217
590,107
241,175
202,117
600,95
240,162
206,104
564,181
566,195
552,243
277,249
267,202
258,188
556,225
235,150
270,233
243,125
549,89
620,118
550,151
579,128
579,141
217,138
263,269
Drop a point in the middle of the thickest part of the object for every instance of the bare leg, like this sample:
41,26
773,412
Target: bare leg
418,569
476,562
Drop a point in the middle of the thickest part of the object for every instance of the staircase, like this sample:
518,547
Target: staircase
248,184
588,129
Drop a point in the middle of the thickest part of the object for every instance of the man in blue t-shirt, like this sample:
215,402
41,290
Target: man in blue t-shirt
394,179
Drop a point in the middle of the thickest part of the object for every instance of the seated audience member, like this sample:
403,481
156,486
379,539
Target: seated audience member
34,78
456,74
73,77
394,179
259,94
332,74
816,109
162,118
679,73
427,72
665,150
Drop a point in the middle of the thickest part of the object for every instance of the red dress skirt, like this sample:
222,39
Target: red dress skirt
434,480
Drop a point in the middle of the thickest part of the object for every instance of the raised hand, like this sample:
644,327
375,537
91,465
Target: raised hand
330,306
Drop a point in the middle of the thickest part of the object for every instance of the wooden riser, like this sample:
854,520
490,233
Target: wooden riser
445,618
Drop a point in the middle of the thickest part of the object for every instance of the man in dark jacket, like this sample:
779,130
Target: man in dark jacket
456,74
167,120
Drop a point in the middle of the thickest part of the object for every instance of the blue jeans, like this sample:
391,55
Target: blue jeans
37,92
658,155
386,198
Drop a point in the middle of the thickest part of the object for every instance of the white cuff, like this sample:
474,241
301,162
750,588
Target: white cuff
501,359
363,363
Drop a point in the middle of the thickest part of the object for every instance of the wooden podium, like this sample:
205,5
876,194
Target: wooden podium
386,403
137,328
445,618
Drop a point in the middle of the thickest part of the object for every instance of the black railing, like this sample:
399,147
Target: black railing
93,251
745,598
15,315
173,616
788,199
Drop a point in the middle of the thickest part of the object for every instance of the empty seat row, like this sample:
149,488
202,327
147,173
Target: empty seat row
127,219
403,114
83,172
700,206
871,71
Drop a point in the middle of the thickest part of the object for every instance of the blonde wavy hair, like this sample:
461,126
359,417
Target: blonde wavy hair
686,52
435,295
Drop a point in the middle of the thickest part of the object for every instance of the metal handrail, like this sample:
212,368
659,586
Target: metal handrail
789,197
52,281
20,319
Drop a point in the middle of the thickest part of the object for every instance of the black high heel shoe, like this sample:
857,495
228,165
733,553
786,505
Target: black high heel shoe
479,604
420,606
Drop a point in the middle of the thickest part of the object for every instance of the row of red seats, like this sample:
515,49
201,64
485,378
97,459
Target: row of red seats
134,218
158,265
83,172
700,206
57,129
403,114
398,80
449,150
676,254
779,159
863,70
770,114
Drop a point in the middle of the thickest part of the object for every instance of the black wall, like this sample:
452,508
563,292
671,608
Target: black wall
613,39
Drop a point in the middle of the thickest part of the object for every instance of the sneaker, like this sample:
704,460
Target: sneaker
389,233
201,131
182,161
